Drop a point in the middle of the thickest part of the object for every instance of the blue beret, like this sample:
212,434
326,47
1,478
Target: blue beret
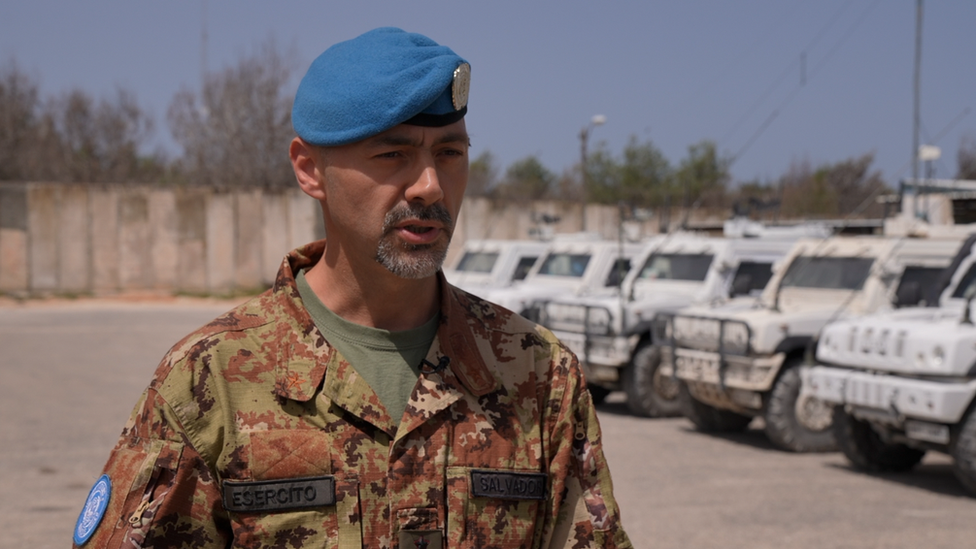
378,80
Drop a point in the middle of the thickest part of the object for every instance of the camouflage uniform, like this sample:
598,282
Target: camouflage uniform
499,445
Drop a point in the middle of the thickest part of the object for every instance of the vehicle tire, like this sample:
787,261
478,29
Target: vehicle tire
598,394
795,423
963,452
709,419
649,393
865,449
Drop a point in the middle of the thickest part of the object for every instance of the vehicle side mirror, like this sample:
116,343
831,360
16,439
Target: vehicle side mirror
909,294
741,285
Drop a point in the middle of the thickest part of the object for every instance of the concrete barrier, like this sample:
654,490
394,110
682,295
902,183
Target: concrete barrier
74,239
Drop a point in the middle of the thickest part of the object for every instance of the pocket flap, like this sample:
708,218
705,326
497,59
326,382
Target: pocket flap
289,453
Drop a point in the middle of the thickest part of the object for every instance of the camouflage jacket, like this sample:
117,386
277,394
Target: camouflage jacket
254,432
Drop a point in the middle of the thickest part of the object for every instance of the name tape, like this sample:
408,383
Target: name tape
278,495
504,485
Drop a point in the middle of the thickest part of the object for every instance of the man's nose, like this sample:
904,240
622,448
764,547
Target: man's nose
427,186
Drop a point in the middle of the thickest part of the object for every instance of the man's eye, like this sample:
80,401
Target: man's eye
391,154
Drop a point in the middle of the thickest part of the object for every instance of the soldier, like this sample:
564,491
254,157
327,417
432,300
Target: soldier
363,401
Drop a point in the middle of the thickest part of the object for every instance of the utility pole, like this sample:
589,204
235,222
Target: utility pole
916,122
204,38
584,136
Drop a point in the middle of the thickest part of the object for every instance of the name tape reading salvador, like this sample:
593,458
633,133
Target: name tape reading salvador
503,485
279,495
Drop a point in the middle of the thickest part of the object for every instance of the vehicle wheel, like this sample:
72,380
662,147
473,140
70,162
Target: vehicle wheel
709,419
598,394
963,452
865,449
794,422
650,393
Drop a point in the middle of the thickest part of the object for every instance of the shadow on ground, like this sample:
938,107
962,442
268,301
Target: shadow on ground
753,437
933,477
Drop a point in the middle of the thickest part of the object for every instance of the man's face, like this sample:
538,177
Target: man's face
393,198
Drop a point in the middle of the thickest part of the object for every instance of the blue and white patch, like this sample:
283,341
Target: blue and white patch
94,509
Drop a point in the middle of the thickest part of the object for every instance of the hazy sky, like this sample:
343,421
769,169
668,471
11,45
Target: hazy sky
674,73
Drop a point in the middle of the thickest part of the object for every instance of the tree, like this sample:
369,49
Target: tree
525,179
237,131
805,195
71,138
702,176
842,189
100,142
755,199
966,158
19,110
642,177
482,175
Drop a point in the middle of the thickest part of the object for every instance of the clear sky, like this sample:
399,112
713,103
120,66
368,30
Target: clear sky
674,73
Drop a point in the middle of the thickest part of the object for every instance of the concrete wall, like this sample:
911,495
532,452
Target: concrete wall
63,239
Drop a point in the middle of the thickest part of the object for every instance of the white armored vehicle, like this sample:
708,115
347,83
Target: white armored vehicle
612,334
485,264
738,361
574,264
904,382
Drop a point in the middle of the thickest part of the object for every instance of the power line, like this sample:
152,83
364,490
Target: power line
789,98
787,72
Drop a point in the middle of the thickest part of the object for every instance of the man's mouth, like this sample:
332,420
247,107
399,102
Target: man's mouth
419,226
419,234
418,229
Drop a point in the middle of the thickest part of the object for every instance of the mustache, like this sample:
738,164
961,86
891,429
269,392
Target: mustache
434,212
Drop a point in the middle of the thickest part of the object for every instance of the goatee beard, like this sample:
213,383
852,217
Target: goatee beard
409,260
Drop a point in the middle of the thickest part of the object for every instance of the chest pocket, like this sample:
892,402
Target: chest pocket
288,495
494,507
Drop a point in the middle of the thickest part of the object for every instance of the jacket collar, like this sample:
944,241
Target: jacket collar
304,354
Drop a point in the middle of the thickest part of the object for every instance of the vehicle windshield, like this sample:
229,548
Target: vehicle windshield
618,272
967,284
524,266
833,273
477,262
925,280
676,267
751,277
565,264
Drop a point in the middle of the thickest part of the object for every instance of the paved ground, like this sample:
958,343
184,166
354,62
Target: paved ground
70,372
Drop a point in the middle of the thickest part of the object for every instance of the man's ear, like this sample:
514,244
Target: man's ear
308,168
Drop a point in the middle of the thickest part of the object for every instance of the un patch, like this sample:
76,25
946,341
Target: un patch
507,485
94,510
278,495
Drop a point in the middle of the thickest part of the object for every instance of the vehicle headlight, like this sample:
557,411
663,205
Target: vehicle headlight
938,356
598,321
735,338
696,332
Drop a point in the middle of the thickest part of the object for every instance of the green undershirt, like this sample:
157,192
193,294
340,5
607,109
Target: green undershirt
388,361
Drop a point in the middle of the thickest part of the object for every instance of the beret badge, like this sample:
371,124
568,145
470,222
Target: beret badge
461,85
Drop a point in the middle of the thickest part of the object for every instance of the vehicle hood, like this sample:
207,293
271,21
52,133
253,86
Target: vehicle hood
916,341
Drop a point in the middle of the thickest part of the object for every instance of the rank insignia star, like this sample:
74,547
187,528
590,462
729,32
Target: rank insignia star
294,380
421,543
